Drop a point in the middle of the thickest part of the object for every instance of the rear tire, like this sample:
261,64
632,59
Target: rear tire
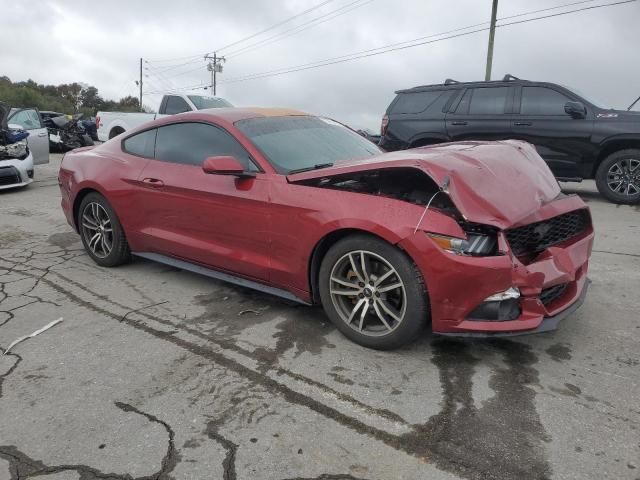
101,232
383,305
618,177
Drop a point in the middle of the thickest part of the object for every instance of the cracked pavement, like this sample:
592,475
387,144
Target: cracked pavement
157,373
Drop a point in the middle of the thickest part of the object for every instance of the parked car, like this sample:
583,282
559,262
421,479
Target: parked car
16,161
474,236
38,140
575,137
111,124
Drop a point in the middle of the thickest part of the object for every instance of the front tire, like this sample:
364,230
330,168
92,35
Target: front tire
618,177
101,232
373,293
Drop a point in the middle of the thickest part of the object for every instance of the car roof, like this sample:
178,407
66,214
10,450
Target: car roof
233,114
453,85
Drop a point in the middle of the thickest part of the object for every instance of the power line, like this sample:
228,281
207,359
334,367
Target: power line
287,20
403,45
299,28
411,43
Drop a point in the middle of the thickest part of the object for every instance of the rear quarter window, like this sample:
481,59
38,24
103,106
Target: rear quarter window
416,102
142,144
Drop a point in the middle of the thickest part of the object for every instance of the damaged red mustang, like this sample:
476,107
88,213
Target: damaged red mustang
474,237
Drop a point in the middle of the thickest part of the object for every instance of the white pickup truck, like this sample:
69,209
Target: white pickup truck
111,124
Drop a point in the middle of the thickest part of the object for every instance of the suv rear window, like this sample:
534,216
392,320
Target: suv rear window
415,102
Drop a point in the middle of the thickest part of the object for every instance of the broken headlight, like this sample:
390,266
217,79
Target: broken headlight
477,244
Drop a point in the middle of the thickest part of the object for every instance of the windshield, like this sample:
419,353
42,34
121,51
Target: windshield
299,142
208,102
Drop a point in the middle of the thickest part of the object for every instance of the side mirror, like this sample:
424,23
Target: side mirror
225,165
575,109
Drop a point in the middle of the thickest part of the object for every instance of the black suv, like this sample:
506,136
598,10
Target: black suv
576,138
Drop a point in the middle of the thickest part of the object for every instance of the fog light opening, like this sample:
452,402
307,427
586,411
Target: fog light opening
498,307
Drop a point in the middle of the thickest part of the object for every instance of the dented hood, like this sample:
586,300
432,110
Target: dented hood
493,183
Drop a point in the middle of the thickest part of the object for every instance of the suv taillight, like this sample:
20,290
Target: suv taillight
97,122
384,125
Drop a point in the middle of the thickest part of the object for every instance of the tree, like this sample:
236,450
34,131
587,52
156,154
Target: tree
89,98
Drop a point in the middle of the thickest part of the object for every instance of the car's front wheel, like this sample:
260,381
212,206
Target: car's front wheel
101,232
372,292
618,176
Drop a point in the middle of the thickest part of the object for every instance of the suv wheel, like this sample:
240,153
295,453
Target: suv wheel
102,235
618,176
373,293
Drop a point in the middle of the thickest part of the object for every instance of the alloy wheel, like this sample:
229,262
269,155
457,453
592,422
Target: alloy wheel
97,230
623,177
367,292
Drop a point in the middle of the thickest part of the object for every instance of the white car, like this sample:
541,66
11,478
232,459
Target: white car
16,160
111,124
16,173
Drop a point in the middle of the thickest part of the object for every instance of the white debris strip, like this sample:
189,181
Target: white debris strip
37,332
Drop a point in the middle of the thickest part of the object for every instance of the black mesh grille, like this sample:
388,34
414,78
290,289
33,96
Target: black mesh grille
9,176
548,295
535,237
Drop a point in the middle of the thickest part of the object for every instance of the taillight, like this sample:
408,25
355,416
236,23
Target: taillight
384,125
97,122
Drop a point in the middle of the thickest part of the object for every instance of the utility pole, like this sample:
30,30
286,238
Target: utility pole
492,34
214,66
141,84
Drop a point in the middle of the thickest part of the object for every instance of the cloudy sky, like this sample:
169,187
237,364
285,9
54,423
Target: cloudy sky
100,43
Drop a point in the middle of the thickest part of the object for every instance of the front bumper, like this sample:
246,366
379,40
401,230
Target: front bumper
548,323
16,173
457,284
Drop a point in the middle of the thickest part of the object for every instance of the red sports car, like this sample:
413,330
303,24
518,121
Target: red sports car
474,237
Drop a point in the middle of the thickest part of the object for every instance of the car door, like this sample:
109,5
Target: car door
217,220
38,140
481,113
561,140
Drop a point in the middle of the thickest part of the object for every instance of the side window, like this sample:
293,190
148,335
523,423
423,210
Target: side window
176,105
141,144
191,143
415,102
463,106
27,119
542,101
488,101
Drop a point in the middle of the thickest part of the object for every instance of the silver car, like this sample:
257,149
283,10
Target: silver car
38,140
17,171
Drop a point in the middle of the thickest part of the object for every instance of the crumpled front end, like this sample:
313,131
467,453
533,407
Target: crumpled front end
537,277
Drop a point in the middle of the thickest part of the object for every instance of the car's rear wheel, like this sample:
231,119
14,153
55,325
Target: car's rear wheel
372,292
101,232
618,177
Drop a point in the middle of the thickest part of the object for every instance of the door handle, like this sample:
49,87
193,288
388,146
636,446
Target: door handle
153,182
522,124
459,122
43,134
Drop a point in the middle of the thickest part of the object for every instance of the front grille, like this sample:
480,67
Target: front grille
548,295
9,176
535,237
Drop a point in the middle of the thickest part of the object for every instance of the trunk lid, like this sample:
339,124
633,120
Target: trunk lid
493,183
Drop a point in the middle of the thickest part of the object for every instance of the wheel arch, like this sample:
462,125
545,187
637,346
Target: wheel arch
614,145
82,193
327,241
427,139
116,130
